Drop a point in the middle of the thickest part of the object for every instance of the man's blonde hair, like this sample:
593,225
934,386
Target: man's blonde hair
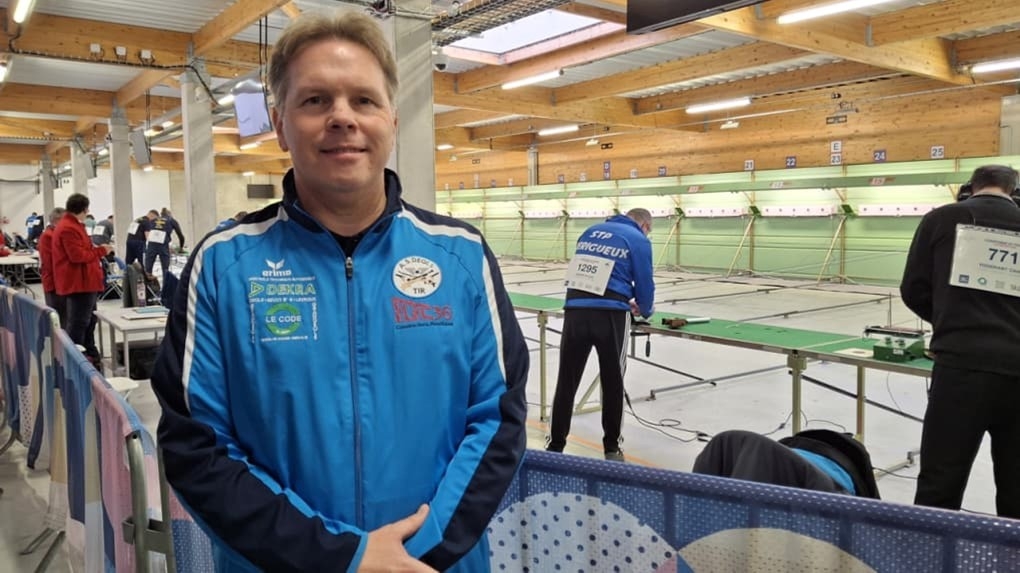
312,27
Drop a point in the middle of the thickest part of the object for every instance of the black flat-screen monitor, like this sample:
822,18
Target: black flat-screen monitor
261,191
645,16
252,114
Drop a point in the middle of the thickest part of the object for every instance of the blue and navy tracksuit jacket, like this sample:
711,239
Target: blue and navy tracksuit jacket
620,239
310,397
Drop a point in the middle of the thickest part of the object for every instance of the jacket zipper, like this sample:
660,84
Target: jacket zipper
359,508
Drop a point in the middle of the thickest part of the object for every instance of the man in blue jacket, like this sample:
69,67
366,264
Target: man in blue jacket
342,378
609,278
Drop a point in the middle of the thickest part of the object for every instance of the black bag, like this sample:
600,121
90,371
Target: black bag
843,449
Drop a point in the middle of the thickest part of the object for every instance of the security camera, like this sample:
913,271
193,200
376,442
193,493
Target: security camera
440,61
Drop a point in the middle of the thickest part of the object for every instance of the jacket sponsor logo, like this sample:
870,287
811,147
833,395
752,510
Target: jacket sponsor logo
275,269
408,313
417,277
283,319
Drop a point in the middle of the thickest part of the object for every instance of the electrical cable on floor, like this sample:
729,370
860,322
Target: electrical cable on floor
894,474
666,425
830,422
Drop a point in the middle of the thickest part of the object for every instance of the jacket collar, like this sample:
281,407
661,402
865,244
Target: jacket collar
297,212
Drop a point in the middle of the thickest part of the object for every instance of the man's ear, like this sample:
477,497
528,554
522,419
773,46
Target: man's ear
277,119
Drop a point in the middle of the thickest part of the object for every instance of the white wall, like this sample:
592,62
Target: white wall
20,194
149,190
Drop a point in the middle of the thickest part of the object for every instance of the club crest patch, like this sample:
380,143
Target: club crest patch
417,277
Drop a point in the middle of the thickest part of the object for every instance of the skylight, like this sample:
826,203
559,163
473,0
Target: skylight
526,31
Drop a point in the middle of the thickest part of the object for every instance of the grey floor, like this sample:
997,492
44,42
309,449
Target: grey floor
660,432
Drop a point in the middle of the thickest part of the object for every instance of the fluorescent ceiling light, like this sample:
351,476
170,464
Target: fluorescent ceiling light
546,76
3,71
996,66
558,130
444,146
21,10
104,152
148,167
591,142
826,10
150,132
166,124
247,173
226,100
730,125
249,145
718,105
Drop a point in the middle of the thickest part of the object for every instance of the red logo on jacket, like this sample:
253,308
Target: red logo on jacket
407,313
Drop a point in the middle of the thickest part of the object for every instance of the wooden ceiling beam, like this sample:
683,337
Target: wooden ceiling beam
459,138
514,127
590,11
291,9
464,116
536,102
990,47
214,33
26,98
576,55
926,57
813,78
30,128
942,19
71,38
231,22
18,153
722,61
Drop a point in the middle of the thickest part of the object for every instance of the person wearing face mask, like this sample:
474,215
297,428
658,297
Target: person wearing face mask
403,328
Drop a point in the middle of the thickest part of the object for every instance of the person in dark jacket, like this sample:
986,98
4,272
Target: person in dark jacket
53,300
820,460
959,276
135,250
157,241
608,280
78,274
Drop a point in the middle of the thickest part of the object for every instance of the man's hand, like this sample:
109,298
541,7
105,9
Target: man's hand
634,308
108,248
385,550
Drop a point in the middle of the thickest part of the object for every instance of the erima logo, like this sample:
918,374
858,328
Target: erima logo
275,269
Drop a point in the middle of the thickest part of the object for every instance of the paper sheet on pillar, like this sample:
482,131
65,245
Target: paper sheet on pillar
762,549
572,532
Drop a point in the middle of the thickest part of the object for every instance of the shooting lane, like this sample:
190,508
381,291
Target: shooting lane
746,367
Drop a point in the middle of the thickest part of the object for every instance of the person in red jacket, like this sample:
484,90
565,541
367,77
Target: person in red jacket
78,274
53,300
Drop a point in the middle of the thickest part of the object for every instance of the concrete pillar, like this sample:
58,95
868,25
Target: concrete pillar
120,175
46,185
81,169
199,160
415,153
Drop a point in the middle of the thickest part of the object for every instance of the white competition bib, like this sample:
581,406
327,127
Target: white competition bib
157,236
133,228
986,259
97,231
590,274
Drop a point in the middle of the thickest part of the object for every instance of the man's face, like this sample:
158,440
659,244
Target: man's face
337,121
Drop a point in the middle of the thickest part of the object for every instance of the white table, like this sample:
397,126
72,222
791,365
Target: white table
14,270
117,320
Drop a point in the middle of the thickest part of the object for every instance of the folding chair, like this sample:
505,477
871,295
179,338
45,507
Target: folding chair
114,279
